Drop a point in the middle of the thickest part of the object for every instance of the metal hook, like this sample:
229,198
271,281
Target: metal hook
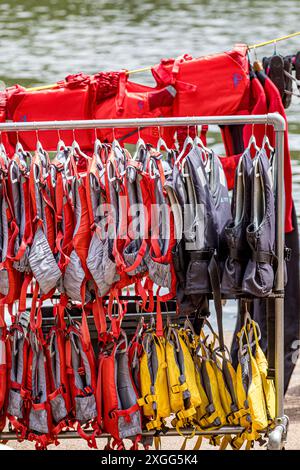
113,133
139,133
275,47
74,138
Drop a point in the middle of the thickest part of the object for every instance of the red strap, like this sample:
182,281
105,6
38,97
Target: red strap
159,320
99,316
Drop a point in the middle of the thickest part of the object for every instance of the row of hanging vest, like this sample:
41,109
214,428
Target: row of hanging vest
169,377
71,231
141,220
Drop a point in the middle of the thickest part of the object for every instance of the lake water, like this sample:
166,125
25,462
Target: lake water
43,41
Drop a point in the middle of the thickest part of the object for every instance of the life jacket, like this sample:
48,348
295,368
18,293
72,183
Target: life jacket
77,273
192,79
4,360
19,192
10,278
39,414
64,213
250,392
82,378
71,98
211,414
162,238
58,393
134,100
137,183
18,394
182,383
259,274
120,411
41,258
154,381
99,260
239,251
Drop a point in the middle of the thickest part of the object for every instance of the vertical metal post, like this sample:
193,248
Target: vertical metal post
279,284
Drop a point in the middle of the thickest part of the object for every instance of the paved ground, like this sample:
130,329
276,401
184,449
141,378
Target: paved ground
292,404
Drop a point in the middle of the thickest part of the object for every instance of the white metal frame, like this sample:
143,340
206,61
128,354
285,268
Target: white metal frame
277,437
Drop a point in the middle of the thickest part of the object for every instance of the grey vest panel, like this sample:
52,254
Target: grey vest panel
259,275
235,232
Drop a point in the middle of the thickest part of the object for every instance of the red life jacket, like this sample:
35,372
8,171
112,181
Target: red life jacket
119,408
10,278
3,360
70,99
82,379
216,84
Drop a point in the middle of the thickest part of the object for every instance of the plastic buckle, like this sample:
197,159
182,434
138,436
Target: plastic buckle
287,253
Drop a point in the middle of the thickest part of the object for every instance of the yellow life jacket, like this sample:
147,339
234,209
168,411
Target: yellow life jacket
183,390
154,381
250,392
268,384
213,415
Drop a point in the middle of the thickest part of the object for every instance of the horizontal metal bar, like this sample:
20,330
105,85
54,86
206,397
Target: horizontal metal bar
10,436
273,119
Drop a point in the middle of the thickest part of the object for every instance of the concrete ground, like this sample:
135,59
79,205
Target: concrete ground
292,409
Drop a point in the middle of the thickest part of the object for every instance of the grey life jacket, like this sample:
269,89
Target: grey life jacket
259,274
41,258
121,412
18,391
20,198
137,188
239,250
99,260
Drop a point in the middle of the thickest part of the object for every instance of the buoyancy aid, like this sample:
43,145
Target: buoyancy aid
77,273
137,183
162,237
182,383
134,100
239,251
192,79
41,258
250,392
10,278
103,218
259,274
64,213
71,98
154,381
19,192
18,394
3,359
210,413
82,378
58,393
121,413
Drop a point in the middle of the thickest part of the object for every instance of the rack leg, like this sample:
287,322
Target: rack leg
278,437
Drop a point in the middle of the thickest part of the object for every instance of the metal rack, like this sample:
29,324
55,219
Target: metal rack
278,435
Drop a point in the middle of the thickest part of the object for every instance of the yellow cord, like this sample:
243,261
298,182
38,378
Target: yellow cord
146,69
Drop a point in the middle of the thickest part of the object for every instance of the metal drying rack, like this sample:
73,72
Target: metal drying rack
278,435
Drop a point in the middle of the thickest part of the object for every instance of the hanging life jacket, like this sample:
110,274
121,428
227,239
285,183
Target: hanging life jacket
18,394
120,411
154,381
99,260
239,251
77,273
10,278
59,393
64,214
81,372
41,258
250,392
183,389
162,241
4,360
260,271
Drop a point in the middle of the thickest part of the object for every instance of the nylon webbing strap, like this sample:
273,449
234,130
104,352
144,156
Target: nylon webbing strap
214,276
270,307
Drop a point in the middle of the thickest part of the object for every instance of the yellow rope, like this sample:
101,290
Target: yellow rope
146,69
272,41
